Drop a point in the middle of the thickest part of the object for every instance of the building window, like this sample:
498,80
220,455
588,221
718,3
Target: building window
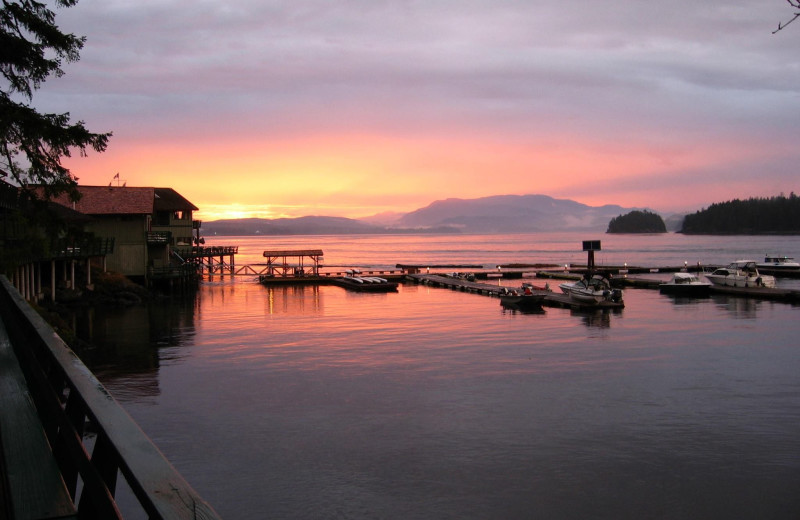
162,218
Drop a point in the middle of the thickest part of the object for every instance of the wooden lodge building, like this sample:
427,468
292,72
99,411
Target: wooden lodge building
148,225
144,233
150,228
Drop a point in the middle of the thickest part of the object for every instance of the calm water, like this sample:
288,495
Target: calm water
314,402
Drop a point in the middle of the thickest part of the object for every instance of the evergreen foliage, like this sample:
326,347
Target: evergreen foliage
774,215
33,144
637,222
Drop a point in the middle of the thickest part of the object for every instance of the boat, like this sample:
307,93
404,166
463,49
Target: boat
592,288
523,298
778,263
525,302
365,283
741,273
688,284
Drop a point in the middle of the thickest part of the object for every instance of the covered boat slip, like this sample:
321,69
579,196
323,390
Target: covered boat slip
293,266
278,262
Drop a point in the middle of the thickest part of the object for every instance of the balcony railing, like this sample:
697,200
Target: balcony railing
82,248
158,237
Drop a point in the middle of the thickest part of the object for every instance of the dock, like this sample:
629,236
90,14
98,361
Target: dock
325,278
552,299
623,281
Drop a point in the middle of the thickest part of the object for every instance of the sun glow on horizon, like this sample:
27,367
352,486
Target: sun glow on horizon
357,176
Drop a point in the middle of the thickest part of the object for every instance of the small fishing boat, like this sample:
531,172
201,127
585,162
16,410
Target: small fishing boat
741,273
525,302
687,284
592,288
778,263
525,298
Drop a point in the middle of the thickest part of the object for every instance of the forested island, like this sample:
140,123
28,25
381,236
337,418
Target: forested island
637,222
775,215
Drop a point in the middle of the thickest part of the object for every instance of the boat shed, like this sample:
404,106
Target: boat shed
292,262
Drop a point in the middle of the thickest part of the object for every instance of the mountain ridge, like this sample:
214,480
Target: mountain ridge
492,214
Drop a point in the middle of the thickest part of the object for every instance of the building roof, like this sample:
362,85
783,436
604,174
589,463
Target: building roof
123,200
169,199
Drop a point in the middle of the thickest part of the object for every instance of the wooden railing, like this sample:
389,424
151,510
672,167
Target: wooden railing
158,237
82,249
71,403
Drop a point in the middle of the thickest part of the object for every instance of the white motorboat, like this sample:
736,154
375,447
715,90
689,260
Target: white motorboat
741,273
688,284
591,289
778,263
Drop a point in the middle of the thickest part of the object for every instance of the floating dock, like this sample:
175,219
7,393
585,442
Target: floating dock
552,299
763,293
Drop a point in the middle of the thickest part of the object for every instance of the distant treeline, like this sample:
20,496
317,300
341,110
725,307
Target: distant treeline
775,215
637,222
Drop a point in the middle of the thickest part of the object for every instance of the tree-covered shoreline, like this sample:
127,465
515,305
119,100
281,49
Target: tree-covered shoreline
637,222
778,215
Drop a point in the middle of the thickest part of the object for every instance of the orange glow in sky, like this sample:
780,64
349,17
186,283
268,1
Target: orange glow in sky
266,111
358,176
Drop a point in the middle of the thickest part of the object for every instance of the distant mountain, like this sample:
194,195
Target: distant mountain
315,225
387,218
512,214
312,225
496,214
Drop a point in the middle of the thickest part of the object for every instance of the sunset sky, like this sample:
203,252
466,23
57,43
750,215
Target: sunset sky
352,108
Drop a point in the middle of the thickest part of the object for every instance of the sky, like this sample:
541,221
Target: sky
259,108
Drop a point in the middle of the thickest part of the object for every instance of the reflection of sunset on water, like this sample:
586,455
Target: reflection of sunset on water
293,299
280,398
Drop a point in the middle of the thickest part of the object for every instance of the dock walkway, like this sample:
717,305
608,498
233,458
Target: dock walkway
552,299
760,293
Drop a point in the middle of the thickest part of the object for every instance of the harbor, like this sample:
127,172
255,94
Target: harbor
304,266
316,353
297,400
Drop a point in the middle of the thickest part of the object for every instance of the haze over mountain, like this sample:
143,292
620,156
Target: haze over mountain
496,214
512,214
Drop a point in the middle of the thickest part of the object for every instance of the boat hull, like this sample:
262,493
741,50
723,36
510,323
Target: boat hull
523,302
686,284
741,273
732,280
593,292
698,289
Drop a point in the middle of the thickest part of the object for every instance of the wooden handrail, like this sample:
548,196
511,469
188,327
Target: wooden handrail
67,396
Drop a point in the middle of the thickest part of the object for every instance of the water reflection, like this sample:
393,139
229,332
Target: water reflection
741,308
510,308
293,299
125,347
598,318
679,299
432,403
